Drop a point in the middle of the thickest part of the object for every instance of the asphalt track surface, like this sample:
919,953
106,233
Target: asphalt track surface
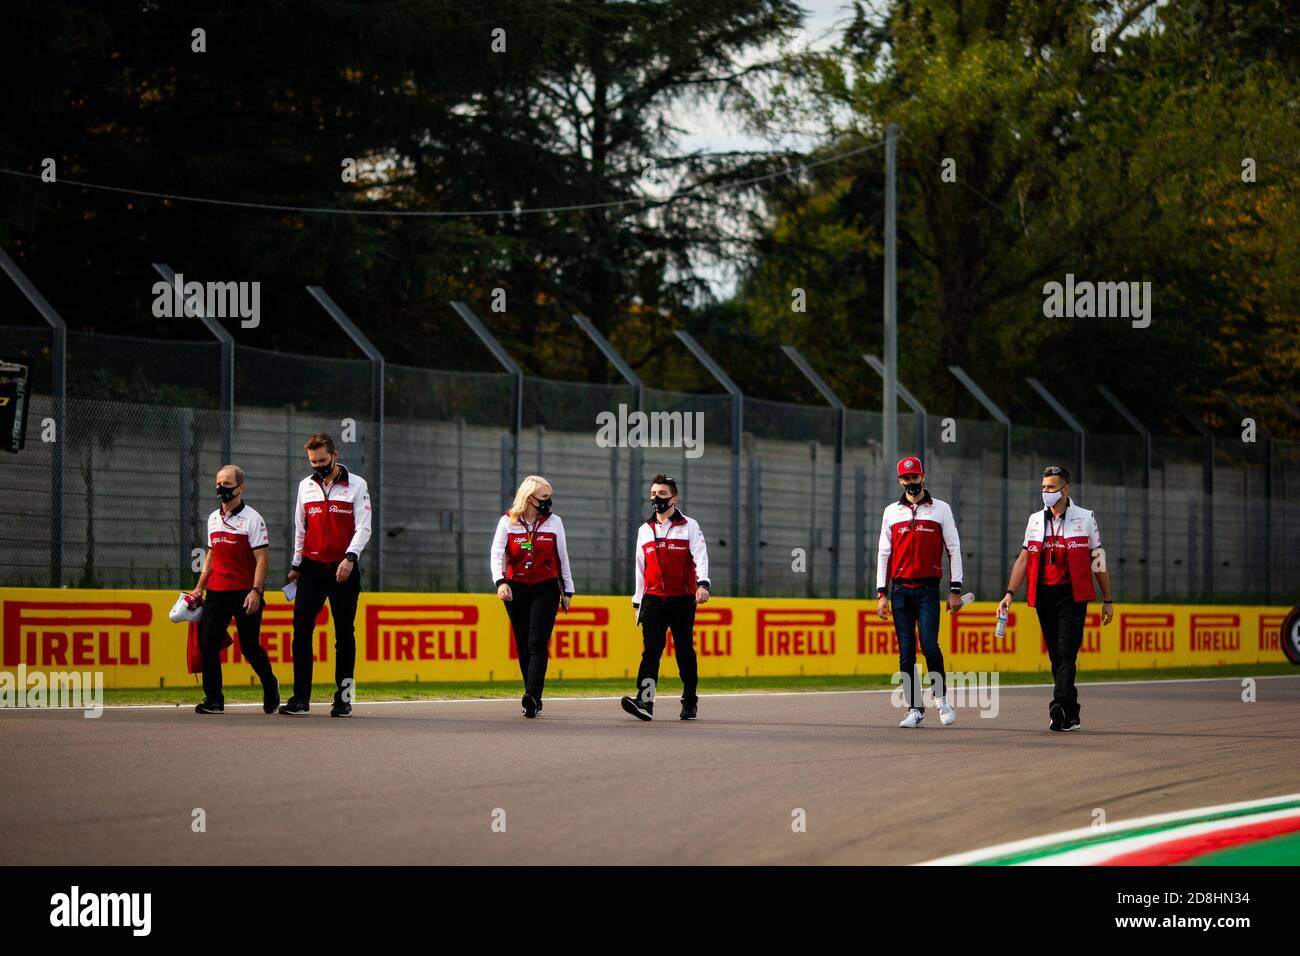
418,783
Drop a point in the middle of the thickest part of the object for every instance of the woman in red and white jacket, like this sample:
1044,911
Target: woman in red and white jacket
530,565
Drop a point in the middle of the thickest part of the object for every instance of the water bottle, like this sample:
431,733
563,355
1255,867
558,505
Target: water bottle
1001,629
967,598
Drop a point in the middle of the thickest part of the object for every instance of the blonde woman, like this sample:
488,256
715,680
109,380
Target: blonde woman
530,565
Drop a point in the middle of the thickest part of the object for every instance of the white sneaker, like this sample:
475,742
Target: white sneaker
913,718
946,713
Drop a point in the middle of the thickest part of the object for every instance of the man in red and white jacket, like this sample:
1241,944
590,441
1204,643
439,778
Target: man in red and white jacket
915,532
1061,553
672,577
234,577
331,528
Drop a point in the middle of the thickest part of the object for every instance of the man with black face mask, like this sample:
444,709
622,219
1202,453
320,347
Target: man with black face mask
331,528
234,576
672,577
915,531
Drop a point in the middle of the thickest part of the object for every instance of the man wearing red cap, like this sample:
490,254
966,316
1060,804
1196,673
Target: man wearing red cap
914,533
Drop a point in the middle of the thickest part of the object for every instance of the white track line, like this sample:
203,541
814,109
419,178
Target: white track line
1064,836
719,696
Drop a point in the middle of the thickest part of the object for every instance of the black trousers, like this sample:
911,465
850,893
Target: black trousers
218,608
659,615
532,611
1061,618
316,583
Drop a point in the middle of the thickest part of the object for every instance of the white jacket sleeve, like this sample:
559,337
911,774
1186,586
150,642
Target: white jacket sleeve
883,551
299,529
640,566
497,557
952,542
360,518
562,554
699,552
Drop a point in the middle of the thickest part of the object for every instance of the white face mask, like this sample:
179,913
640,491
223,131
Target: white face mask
1051,497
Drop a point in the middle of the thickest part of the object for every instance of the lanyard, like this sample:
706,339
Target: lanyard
528,545
1050,522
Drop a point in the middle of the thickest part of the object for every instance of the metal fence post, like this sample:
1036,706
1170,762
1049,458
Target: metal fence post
1267,442
635,466
59,384
517,382
922,417
1207,513
834,401
1005,422
377,411
1142,430
227,343
755,525
737,427
859,531
1080,446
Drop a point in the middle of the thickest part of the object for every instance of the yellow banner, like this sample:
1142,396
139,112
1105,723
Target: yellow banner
467,637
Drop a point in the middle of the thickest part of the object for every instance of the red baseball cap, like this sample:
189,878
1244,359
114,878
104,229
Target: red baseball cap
910,466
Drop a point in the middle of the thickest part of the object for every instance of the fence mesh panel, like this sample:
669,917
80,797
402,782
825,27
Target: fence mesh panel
142,433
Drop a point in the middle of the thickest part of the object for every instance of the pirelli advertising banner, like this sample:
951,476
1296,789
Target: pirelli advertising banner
466,637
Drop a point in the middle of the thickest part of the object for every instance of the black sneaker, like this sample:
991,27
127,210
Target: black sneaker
637,709
690,709
210,706
1057,713
1071,723
295,708
539,707
530,706
340,707
271,696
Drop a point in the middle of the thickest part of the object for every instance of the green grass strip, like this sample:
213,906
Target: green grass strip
1281,850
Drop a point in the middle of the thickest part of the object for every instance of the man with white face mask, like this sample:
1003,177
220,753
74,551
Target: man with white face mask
1061,543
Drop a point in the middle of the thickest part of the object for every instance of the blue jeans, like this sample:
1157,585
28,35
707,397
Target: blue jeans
917,609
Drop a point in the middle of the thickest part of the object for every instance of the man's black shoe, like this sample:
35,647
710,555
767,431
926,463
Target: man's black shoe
295,708
530,706
341,707
271,696
1057,713
637,709
690,709
211,707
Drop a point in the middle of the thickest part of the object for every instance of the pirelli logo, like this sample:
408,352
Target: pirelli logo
277,635
975,632
421,632
76,633
795,632
1270,632
1215,632
582,634
876,636
1146,633
712,632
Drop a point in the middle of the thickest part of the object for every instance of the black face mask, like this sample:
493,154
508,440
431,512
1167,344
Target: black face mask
544,506
914,489
661,505
323,471
227,494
